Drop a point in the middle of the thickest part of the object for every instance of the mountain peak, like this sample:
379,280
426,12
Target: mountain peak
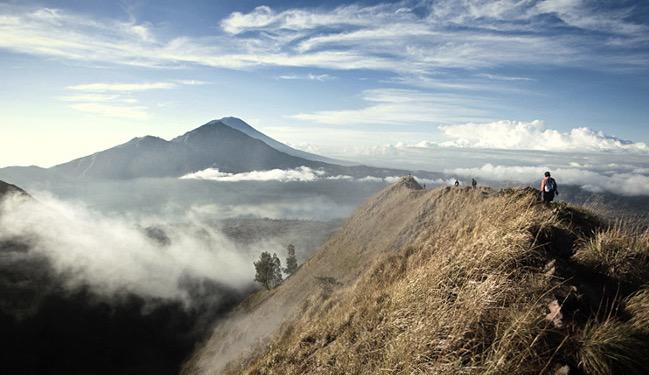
231,122
234,122
147,140
409,182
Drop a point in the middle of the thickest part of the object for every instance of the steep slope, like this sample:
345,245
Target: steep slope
242,126
452,281
341,259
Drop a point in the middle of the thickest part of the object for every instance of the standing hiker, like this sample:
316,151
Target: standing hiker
548,188
474,183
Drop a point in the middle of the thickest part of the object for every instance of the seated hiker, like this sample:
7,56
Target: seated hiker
457,183
548,188
474,183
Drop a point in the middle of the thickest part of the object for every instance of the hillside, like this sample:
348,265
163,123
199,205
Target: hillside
451,281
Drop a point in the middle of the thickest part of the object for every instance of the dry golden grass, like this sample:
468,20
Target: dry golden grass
464,288
612,347
620,252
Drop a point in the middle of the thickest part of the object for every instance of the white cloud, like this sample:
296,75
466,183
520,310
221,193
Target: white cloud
113,110
114,99
192,82
614,182
107,87
583,15
390,37
98,98
265,18
303,174
533,136
499,77
310,77
399,106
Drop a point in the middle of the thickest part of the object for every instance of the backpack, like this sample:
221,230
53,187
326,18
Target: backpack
550,185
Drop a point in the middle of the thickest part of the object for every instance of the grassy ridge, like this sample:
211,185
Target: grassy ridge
478,282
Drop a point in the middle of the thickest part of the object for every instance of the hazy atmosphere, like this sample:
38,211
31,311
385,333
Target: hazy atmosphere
173,174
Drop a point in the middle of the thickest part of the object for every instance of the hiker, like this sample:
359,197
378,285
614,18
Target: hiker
548,188
474,183
457,183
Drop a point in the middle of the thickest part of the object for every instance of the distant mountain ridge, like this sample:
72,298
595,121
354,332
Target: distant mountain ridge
228,144
213,145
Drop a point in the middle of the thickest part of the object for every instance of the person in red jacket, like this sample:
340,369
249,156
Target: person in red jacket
548,188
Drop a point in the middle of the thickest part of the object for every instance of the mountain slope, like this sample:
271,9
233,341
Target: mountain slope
242,126
451,281
342,258
217,145
144,157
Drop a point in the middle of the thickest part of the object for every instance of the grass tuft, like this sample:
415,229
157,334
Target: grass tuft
619,253
612,347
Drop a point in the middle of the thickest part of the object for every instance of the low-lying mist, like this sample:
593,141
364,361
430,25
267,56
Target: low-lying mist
84,291
112,255
171,198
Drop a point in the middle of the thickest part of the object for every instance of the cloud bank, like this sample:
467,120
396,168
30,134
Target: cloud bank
518,135
623,183
302,174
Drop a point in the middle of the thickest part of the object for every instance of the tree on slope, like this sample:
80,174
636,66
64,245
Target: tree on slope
291,260
268,270
277,270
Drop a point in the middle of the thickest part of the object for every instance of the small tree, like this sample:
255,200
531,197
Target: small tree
264,270
268,270
277,271
291,260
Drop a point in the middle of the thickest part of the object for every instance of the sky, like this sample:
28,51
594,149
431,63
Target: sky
334,77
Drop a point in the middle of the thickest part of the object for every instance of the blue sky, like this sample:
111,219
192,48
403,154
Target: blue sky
331,77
